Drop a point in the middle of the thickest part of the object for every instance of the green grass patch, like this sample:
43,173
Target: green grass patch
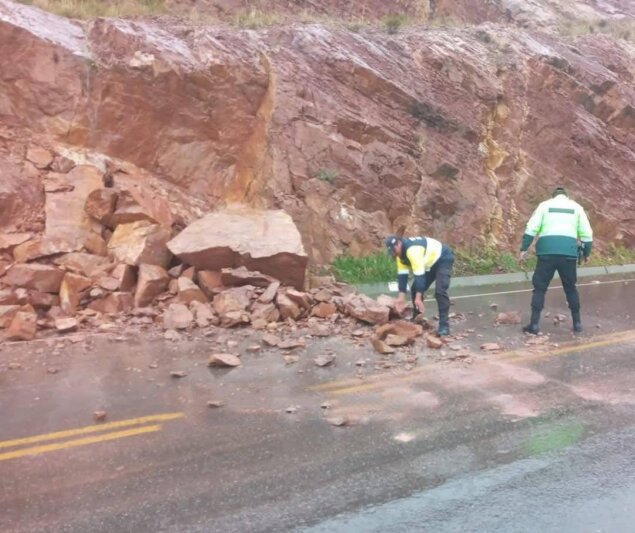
327,175
379,267
613,255
489,261
368,269
394,22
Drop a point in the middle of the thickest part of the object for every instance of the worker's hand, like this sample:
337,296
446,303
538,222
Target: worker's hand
419,303
400,303
522,256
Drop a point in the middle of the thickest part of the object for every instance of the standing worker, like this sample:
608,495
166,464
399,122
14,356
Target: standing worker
559,224
430,262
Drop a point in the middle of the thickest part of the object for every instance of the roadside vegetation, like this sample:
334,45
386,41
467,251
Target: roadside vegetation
254,18
619,28
86,9
378,267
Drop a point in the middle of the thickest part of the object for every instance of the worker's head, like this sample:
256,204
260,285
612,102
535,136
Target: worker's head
558,191
393,245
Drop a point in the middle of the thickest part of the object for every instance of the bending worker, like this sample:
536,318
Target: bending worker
430,261
559,223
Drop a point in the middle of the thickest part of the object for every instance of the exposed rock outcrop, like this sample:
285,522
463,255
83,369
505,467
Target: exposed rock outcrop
450,131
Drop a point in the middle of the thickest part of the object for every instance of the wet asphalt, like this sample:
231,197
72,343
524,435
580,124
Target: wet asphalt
533,438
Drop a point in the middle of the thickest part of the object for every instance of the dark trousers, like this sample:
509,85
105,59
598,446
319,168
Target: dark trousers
545,270
440,274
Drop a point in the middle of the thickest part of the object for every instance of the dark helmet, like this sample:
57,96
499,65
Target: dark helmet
390,242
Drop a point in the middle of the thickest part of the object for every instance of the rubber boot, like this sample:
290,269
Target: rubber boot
533,328
577,322
444,326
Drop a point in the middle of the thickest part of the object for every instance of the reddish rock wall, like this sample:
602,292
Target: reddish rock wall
456,132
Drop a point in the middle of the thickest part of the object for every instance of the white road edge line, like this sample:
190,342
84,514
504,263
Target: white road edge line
480,295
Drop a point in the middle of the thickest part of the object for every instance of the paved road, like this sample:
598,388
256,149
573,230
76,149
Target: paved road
536,438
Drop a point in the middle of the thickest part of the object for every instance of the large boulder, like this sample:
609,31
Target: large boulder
85,264
140,242
7,314
100,205
139,203
260,240
8,241
66,218
8,297
117,302
40,247
23,327
366,309
125,276
43,278
71,291
153,280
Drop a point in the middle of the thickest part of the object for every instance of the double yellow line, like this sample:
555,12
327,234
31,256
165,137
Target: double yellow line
142,425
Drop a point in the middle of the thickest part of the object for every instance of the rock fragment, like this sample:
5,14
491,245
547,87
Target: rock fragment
324,310
490,347
100,415
271,340
223,360
398,340
509,318
400,328
66,325
434,342
338,421
291,344
324,360
188,291
177,316
381,347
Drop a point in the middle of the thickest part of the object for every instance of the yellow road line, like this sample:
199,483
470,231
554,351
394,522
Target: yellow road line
371,386
573,349
36,450
352,386
91,429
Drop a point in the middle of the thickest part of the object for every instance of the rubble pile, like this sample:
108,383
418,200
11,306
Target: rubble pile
110,254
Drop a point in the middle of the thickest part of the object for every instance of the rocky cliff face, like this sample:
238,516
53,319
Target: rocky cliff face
454,131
